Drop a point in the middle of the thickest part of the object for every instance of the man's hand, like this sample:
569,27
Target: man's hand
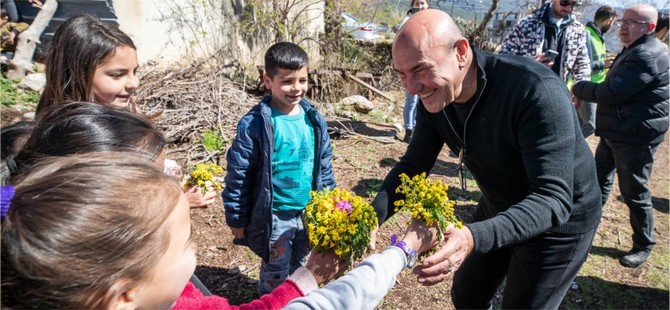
609,59
36,3
10,38
325,266
448,258
545,60
576,102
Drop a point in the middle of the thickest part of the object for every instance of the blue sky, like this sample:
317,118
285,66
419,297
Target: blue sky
660,4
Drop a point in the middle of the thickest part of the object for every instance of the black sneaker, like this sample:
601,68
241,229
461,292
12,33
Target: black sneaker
635,258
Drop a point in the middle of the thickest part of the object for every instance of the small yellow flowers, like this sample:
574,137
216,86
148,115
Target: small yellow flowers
426,200
336,219
202,174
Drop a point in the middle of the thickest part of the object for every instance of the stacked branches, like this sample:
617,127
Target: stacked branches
189,101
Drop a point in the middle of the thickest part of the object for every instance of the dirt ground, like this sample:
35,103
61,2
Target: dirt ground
361,164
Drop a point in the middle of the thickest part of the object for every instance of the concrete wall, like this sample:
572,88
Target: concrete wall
170,31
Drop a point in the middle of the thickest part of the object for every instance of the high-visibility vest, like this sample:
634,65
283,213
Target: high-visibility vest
598,53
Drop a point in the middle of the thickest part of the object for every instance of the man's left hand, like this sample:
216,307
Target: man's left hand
437,267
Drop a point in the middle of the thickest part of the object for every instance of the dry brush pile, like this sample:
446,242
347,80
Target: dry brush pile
190,101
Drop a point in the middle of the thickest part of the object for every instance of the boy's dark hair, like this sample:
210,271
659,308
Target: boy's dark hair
604,12
3,13
284,55
662,22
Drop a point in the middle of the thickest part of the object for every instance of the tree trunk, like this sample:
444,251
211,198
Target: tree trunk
25,48
482,26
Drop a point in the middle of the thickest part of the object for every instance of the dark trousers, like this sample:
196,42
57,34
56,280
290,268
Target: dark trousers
10,9
537,272
632,163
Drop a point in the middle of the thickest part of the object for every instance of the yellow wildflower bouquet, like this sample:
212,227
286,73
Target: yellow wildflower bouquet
426,200
337,220
204,175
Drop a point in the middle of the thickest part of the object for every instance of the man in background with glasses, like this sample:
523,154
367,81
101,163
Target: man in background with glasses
553,37
632,118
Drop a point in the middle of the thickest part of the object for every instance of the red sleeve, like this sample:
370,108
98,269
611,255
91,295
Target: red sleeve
191,298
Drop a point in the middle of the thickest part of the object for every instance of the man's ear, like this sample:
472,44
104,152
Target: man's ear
651,28
462,46
122,296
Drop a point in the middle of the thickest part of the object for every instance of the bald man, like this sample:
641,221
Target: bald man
514,126
631,120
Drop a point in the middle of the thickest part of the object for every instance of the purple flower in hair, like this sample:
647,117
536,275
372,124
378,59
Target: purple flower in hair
6,194
344,205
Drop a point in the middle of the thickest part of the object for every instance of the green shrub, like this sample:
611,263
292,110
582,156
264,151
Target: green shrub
11,94
212,140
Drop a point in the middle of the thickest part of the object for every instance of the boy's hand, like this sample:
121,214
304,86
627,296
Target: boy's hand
238,232
325,266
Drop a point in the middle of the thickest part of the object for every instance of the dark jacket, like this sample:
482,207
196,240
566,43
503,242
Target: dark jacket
247,197
522,143
633,99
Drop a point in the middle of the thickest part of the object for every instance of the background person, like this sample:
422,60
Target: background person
661,31
553,27
9,32
602,22
632,118
409,111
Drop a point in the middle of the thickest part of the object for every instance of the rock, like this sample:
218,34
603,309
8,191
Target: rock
348,114
29,116
234,271
34,81
360,103
574,286
252,281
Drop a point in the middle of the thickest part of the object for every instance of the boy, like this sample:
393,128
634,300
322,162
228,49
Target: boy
281,152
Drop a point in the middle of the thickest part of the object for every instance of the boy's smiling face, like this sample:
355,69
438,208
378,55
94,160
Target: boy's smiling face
288,87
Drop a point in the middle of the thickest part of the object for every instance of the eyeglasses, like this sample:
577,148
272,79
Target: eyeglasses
629,22
571,3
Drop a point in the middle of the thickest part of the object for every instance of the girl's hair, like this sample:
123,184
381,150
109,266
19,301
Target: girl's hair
12,138
82,229
84,127
78,47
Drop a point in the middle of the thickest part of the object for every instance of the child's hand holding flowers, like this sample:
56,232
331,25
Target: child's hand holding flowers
201,184
339,221
205,176
426,200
